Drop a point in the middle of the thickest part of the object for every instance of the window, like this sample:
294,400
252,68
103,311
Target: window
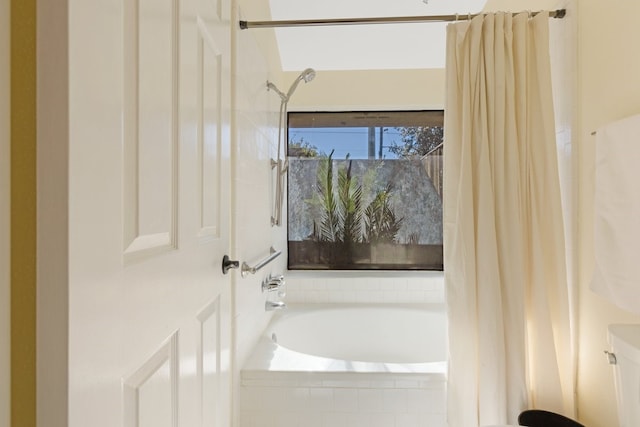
365,190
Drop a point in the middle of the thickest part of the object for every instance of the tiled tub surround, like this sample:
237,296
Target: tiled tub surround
401,384
365,287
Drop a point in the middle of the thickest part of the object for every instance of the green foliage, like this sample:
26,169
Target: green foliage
341,219
413,238
417,141
302,149
350,207
381,223
343,216
328,229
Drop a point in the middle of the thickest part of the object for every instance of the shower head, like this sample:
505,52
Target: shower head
307,75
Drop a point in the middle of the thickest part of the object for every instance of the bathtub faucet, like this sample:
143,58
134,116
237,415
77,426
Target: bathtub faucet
274,305
272,283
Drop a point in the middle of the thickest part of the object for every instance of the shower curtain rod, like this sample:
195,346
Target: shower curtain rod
560,13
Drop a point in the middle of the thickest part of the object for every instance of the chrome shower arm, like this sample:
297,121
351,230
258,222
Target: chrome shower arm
274,88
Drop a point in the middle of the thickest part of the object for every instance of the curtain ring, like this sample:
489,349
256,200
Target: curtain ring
456,17
468,16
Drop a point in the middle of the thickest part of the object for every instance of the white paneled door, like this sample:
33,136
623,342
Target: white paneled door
149,189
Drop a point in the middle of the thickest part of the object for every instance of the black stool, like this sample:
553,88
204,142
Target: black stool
540,418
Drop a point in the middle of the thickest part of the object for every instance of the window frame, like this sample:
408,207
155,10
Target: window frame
328,119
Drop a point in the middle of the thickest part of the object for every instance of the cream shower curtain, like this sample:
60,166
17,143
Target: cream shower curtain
505,273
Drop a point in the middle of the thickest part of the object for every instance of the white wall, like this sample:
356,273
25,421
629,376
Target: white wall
563,52
609,90
256,134
369,90
4,216
255,131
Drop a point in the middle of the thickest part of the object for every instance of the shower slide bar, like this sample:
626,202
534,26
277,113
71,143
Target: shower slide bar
246,269
559,13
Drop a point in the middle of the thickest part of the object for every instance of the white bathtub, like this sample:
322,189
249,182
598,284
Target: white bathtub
372,362
365,333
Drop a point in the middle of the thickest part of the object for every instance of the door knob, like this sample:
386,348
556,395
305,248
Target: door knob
228,264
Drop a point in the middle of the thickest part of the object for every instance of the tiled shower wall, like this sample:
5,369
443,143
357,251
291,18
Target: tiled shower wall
255,137
365,287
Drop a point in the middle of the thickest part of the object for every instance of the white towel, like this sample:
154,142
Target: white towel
617,214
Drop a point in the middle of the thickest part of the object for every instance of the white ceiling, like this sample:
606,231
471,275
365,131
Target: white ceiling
365,47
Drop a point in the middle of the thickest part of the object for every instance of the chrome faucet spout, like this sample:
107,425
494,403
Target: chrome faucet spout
274,305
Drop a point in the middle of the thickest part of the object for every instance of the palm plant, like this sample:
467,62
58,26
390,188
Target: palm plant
328,228
381,223
341,218
350,207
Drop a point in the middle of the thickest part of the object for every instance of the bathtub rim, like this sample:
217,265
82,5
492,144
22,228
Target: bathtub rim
269,360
